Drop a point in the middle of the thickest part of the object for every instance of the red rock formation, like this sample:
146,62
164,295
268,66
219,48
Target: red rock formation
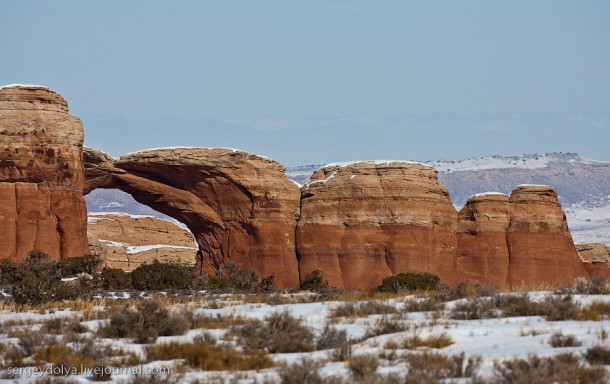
539,241
593,252
366,221
595,258
41,175
597,269
239,206
125,241
483,256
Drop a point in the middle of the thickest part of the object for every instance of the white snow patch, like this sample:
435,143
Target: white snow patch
86,146
489,194
532,185
343,164
25,86
589,220
296,183
331,176
132,249
187,147
352,177
114,243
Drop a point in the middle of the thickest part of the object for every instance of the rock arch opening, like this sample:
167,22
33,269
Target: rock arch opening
239,206
125,233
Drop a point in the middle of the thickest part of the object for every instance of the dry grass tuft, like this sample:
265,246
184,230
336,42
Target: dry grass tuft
437,341
279,333
559,340
563,368
206,356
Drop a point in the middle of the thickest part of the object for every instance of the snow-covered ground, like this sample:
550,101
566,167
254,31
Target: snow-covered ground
493,340
590,220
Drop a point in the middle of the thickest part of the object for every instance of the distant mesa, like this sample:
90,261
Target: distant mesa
358,222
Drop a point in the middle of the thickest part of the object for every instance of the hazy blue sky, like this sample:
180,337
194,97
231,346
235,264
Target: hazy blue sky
320,81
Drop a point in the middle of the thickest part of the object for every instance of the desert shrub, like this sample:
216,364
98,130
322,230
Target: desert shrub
427,304
430,367
30,339
331,337
162,276
405,282
60,325
206,356
479,308
598,355
596,311
75,265
157,379
279,333
386,325
563,368
37,280
559,340
598,285
144,324
62,355
314,281
464,290
238,277
9,272
39,264
304,371
33,290
363,366
114,278
553,307
364,308
55,380
438,341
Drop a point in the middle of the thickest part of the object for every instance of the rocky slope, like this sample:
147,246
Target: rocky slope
41,175
127,241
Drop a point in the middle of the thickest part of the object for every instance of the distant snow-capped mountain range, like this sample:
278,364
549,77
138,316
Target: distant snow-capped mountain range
583,186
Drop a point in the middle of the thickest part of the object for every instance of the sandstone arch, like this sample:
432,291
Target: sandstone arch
238,205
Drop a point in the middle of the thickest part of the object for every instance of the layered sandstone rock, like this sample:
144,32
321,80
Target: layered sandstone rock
41,175
539,242
125,242
593,252
366,221
239,206
596,258
483,256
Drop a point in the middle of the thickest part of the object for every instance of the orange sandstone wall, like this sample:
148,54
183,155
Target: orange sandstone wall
41,175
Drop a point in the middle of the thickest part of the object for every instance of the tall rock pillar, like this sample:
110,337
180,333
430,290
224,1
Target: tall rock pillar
41,175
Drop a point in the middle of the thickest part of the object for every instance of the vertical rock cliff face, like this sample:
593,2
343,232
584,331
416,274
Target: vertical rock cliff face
540,245
41,175
366,221
483,255
238,206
